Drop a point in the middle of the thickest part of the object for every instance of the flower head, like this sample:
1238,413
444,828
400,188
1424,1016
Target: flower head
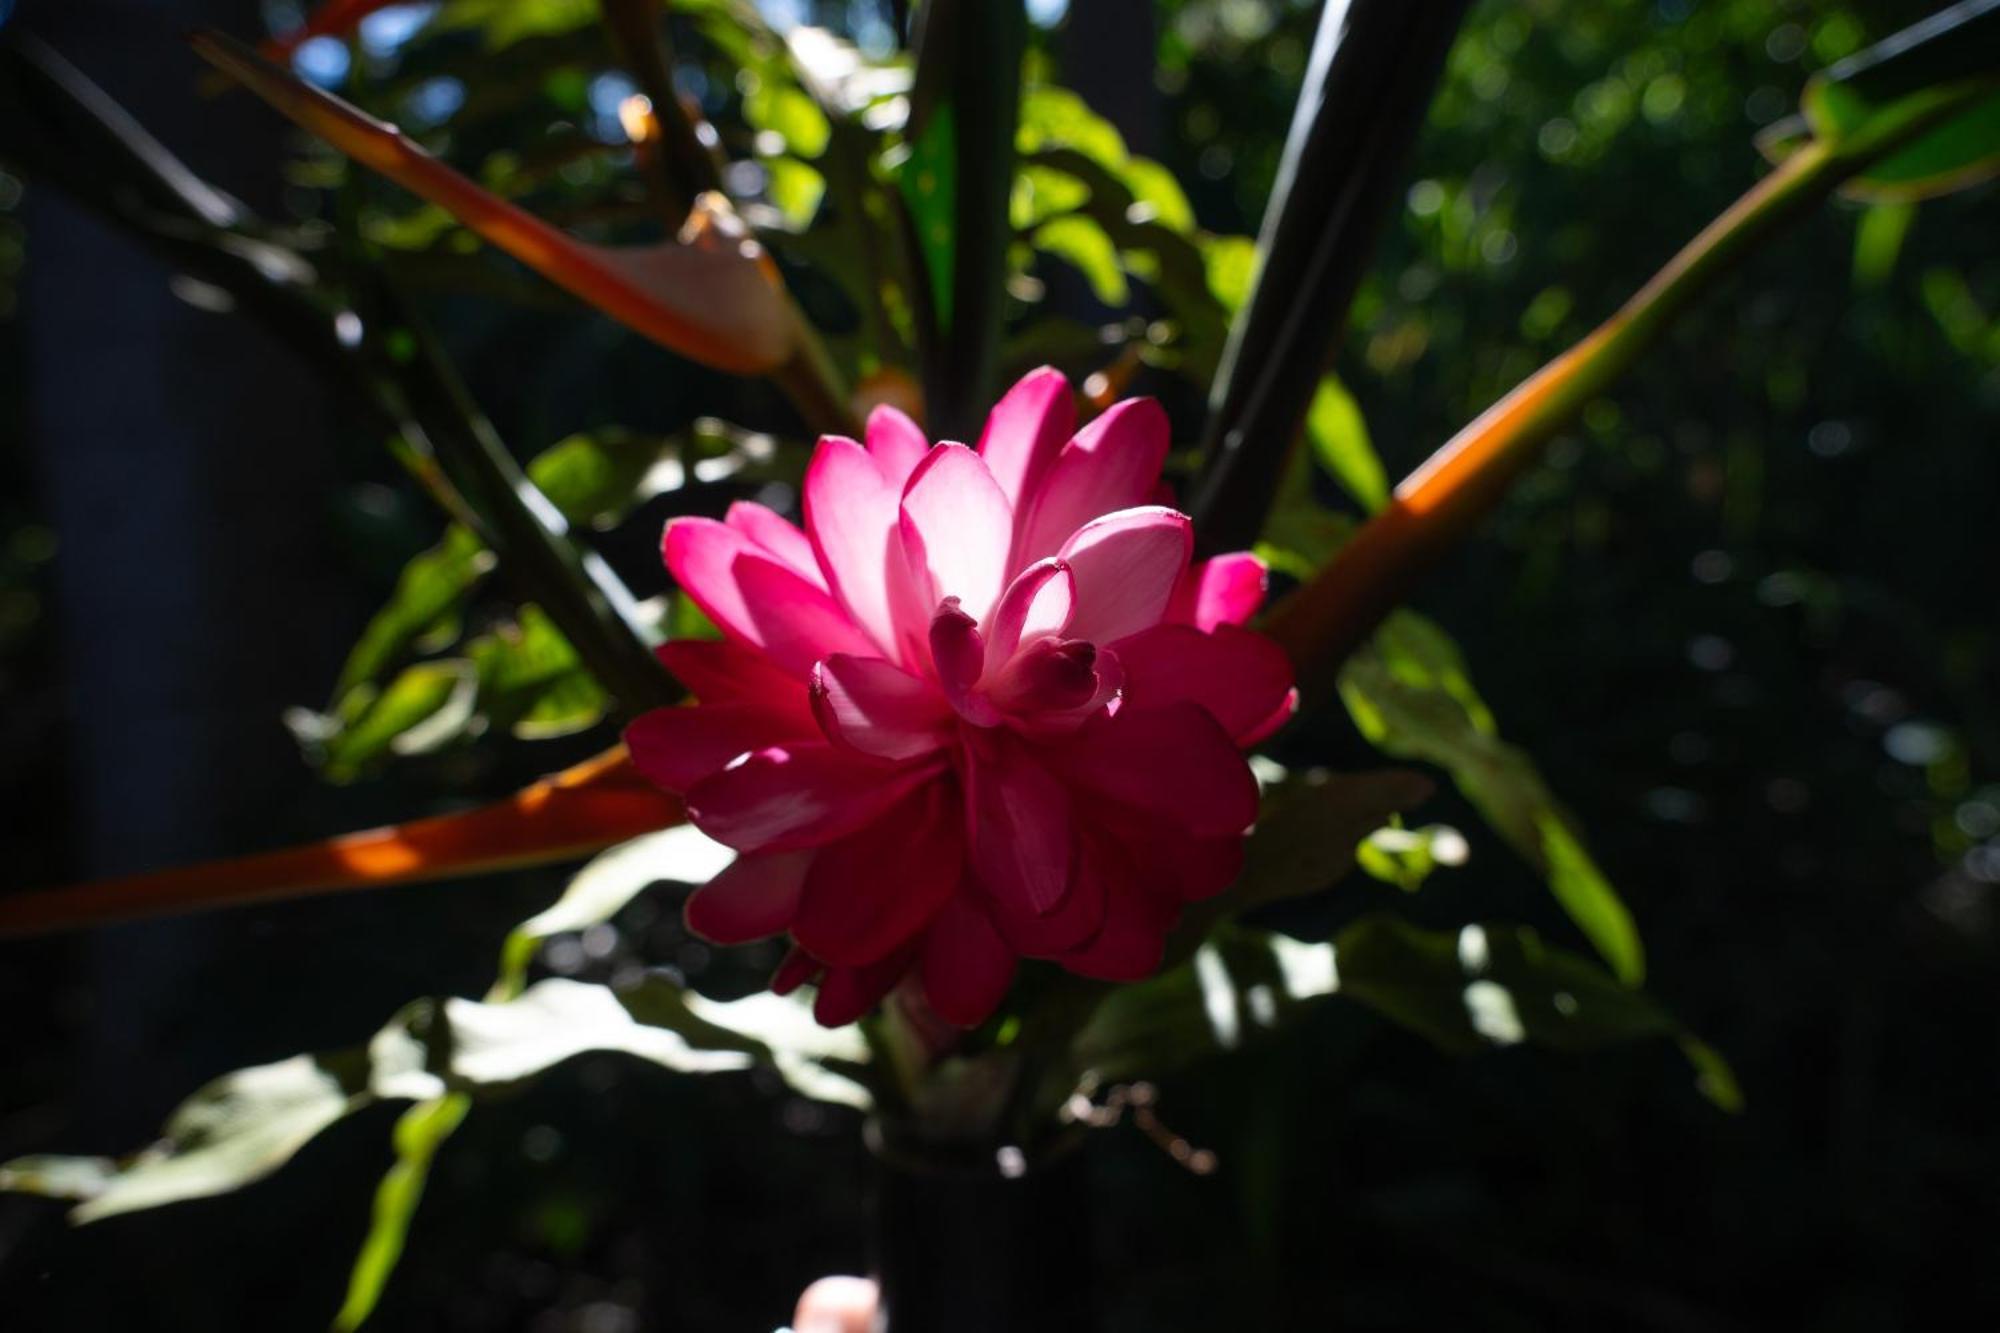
981,708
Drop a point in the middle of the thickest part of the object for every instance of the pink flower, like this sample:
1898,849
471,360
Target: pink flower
980,709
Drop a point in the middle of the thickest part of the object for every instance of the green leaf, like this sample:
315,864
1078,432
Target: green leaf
1409,694
596,478
247,1124
1498,985
531,680
237,1129
420,1133
608,882
1406,857
825,1064
796,191
1156,191
430,592
504,22
789,113
1232,264
1082,243
1340,441
1878,241
426,706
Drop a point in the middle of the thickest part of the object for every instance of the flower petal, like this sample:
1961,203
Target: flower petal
754,899
1113,463
1026,430
677,747
756,599
1174,763
1037,602
967,967
958,526
1074,921
1223,590
847,993
896,443
1240,677
778,537
1130,942
1019,816
717,671
806,795
958,655
851,515
1126,565
873,891
878,708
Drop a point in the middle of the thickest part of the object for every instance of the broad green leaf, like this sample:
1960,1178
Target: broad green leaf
1498,985
1464,990
825,1064
236,1130
1083,244
1409,694
597,477
1340,441
1962,152
247,1124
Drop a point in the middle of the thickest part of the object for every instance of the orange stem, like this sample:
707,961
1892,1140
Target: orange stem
563,817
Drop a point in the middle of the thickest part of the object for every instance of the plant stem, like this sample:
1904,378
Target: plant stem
1439,504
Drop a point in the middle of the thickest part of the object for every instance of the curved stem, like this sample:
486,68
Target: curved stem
1439,504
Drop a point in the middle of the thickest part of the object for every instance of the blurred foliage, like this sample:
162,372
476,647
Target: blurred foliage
1744,621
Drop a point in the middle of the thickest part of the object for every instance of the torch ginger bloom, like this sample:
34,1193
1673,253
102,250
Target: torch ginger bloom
980,709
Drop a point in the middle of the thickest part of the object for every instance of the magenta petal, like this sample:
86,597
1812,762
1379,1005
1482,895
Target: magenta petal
1075,920
967,967
717,671
1026,430
787,797
1131,939
847,993
851,517
754,899
778,537
756,599
1172,862
870,893
1240,677
1225,590
1126,565
958,655
677,747
1113,463
797,968
1019,815
896,443
1283,713
1175,763
878,708
1038,602
957,525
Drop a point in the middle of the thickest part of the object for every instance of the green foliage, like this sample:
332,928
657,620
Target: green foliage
1410,695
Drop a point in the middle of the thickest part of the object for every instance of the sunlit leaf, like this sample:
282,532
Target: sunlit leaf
1405,857
504,22
247,1124
796,191
1409,694
1340,441
422,708
420,1132
431,589
1083,244
791,114
1496,985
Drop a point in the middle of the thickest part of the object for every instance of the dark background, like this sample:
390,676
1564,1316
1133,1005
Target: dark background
1745,619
